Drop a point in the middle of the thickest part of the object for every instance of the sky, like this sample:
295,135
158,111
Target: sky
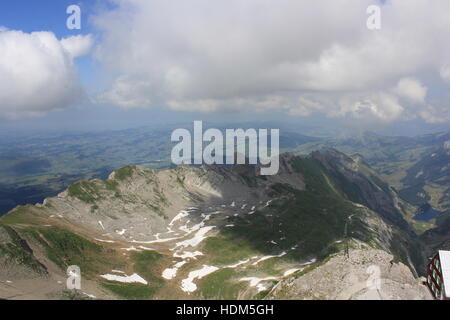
139,62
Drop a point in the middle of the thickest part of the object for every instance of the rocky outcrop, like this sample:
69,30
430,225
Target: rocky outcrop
365,274
17,258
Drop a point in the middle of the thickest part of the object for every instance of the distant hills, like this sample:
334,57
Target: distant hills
34,168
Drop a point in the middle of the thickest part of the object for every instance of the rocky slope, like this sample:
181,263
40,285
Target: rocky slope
209,232
365,274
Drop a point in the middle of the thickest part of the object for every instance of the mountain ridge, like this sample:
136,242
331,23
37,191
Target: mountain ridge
238,224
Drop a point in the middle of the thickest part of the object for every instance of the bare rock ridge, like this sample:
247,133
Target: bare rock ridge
364,275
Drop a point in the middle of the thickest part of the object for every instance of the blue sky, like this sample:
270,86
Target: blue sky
50,15
156,61
42,15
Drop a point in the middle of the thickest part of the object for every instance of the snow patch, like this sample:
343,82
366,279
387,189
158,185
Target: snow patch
199,236
179,216
89,295
194,228
121,232
256,282
134,278
187,285
238,264
309,262
101,240
187,255
132,248
171,273
269,257
139,248
156,241
291,271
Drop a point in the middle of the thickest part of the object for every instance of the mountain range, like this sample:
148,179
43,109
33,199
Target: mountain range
220,232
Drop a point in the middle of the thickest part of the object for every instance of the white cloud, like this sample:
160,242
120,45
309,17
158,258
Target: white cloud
127,93
445,73
382,106
298,56
412,90
438,113
77,46
37,73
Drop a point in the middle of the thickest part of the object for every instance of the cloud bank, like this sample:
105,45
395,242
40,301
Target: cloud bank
300,57
37,72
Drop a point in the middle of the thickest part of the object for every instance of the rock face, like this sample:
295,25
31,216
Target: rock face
16,257
365,274
362,185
